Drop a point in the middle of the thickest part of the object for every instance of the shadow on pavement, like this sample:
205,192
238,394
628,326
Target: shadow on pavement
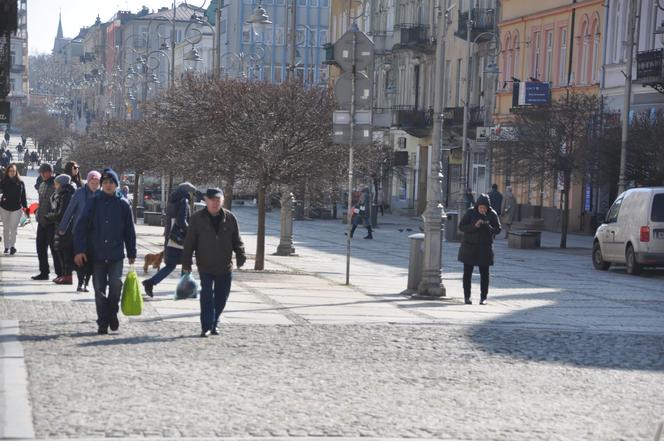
133,340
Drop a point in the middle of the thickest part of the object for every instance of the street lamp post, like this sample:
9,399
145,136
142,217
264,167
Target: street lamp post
431,285
631,26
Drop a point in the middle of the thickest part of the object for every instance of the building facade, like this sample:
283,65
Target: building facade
559,42
19,87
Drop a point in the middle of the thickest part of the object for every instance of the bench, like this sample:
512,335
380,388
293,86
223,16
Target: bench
154,218
524,239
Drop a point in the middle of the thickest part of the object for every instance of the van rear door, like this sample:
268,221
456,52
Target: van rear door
657,224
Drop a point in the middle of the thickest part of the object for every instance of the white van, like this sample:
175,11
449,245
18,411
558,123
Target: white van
633,232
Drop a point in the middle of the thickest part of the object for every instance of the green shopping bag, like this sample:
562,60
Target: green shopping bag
132,300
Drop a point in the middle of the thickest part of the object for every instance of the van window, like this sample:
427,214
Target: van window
613,212
657,214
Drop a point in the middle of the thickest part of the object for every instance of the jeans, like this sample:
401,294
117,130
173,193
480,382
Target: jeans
107,274
172,258
484,280
45,236
213,298
162,273
10,221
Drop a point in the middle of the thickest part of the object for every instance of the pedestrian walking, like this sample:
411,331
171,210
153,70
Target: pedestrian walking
7,136
178,214
213,235
45,228
496,199
380,201
363,207
102,233
12,204
62,243
508,209
74,211
72,169
479,226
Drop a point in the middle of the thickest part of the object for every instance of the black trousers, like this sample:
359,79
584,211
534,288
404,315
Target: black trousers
45,237
484,280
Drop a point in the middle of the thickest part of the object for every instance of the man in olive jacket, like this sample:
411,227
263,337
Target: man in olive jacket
213,235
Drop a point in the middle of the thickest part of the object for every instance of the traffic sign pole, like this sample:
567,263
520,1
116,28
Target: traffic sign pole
353,85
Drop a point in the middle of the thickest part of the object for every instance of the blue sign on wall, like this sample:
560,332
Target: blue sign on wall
537,93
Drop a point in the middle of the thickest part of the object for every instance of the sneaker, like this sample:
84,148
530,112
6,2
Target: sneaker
215,331
206,334
102,330
86,289
12,251
115,323
148,285
40,276
468,301
64,280
6,250
368,237
483,302
80,289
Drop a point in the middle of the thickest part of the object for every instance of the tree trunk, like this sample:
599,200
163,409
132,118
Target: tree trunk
228,192
565,220
260,239
134,202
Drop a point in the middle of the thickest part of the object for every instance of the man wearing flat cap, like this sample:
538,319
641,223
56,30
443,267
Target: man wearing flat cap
213,235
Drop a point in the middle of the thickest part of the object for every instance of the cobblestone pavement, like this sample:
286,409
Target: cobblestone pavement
155,378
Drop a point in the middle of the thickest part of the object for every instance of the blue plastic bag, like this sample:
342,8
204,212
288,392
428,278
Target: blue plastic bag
187,287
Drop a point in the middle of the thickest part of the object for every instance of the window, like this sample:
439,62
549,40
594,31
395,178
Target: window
583,73
302,2
536,55
595,59
12,84
268,33
657,213
178,36
313,3
324,3
300,37
614,211
13,57
279,36
549,56
281,2
516,71
322,37
618,32
223,25
246,33
458,84
562,59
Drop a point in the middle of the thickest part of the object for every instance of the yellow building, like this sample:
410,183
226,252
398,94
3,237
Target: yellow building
558,42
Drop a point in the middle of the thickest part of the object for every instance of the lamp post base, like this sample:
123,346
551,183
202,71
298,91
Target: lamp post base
285,250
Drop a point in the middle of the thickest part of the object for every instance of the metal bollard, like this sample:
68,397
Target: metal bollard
416,261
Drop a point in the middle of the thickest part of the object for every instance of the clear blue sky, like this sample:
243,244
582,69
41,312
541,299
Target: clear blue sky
43,16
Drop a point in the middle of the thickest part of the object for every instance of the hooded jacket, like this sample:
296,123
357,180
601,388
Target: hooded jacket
59,202
106,229
75,208
477,243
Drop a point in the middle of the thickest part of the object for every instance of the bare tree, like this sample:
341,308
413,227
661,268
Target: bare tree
551,144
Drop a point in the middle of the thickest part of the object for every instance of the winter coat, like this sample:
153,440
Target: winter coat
75,208
46,190
214,250
177,213
59,204
508,208
496,199
13,194
106,229
477,243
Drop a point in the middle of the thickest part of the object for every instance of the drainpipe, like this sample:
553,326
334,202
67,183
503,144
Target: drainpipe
607,10
571,45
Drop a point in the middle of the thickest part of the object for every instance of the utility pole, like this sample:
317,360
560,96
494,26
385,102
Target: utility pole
466,109
431,286
628,94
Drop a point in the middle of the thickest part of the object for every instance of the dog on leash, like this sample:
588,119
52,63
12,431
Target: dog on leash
153,260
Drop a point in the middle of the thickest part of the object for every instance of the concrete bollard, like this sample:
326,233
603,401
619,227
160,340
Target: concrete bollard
416,261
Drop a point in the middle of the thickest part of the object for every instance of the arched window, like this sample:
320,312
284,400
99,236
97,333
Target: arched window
594,62
584,54
516,48
507,58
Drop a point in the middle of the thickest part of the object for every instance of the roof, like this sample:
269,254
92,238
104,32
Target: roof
183,12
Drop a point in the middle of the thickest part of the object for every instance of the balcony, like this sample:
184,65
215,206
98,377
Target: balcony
453,116
483,20
650,69
415,122
413,36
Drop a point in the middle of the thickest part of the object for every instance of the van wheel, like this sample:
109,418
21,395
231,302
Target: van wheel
598,260
633,267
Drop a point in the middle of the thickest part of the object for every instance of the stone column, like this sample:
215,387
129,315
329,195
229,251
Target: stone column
286,247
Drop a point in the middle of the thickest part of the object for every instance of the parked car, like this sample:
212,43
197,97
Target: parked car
633,231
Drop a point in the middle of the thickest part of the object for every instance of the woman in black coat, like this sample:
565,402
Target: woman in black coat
63,244
479,226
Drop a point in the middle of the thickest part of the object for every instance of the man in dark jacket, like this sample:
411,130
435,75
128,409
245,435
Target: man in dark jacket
213,235
102,233
496,199
479,226
46,227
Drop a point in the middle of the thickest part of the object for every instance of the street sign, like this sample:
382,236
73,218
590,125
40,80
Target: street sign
342,91
536,93
361,134
4,112
343,50
343,117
